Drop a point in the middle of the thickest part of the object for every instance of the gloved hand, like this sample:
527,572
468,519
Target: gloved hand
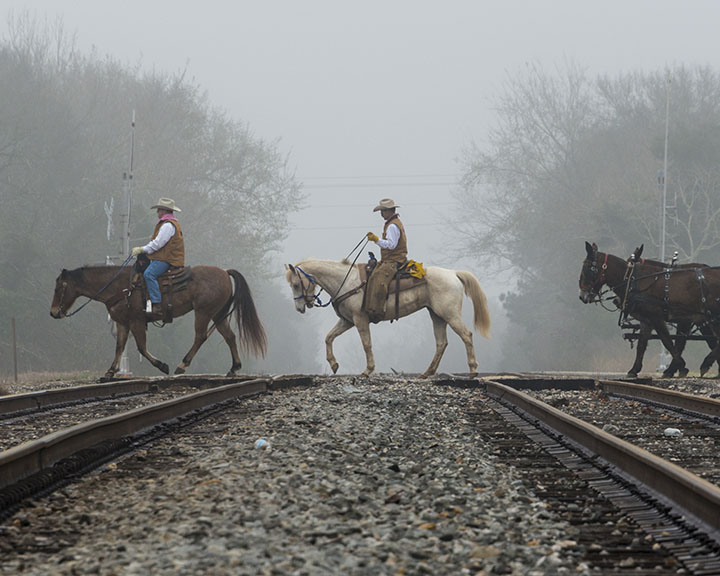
136,251
372,237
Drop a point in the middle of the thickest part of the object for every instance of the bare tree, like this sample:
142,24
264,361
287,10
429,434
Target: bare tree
574,159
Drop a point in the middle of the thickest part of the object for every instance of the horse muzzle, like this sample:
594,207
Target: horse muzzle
587,297
56,313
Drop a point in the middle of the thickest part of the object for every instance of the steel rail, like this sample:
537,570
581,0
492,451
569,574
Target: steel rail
700,404
686,490
44,399
35,456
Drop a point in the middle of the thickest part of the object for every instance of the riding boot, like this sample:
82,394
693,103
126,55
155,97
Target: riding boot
155,313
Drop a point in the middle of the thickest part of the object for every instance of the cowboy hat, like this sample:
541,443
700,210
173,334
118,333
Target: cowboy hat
166,204
385,204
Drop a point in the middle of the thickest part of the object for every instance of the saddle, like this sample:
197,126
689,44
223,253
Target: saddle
404,279
174,280
408,275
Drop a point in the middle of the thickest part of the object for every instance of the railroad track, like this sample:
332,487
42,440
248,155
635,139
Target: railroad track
670,501
29,416
682,527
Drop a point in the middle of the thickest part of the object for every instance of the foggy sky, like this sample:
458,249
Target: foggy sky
378,98
382,96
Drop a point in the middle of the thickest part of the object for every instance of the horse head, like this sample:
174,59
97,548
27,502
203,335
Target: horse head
66,293
592,275
302,285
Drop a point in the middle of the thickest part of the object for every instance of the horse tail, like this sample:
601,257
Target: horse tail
474,291
250,330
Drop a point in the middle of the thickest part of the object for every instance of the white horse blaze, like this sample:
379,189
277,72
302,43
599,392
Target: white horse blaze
442,295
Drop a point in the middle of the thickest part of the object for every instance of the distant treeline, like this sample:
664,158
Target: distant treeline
65,143
575,158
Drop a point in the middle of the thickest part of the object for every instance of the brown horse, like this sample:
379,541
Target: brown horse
684,327
209,292
654,297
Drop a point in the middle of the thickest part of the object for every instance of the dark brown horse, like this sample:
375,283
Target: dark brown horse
209,293
684,327
654,297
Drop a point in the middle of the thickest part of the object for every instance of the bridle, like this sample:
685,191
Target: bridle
308,293
597,279
89,298
61,299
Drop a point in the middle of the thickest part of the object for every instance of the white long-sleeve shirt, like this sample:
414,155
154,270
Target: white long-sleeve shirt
392,235
167,230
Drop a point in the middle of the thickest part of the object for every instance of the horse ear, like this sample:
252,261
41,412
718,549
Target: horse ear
588,249
640,249
289,268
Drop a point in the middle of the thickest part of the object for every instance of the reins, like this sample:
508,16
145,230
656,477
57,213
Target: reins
91,298
315,298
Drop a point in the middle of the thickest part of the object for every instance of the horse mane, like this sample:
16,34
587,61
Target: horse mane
306,260
78,274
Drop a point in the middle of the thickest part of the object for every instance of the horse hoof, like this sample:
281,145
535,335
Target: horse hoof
109,374
164,368
334,367
179,370
670,374
682,373
632,375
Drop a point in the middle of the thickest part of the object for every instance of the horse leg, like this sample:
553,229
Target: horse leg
362,323
466,335
665,337
642,344
139,332
121,340
681,336
712,342
224,328
340,327
201,328
441,342
714,353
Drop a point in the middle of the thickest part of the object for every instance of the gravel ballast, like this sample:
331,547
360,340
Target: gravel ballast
356,476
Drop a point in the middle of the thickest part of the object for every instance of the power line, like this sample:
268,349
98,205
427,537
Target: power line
367,226
388,176
365,205
378,185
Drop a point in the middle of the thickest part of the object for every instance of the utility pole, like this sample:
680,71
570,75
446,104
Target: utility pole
662,180
125,216
663,207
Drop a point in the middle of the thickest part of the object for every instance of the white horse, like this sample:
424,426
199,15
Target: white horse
442,295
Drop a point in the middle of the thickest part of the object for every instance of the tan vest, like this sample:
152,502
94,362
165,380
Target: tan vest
174,251
399,253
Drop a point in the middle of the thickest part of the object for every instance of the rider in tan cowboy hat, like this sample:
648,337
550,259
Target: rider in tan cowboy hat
165,249
393,253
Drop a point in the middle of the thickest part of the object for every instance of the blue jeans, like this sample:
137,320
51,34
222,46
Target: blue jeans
154,269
